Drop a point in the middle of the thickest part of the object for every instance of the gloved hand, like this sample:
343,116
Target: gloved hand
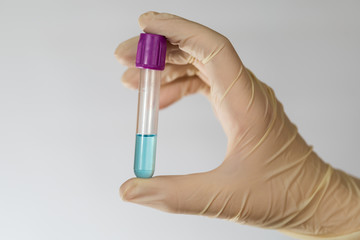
270,177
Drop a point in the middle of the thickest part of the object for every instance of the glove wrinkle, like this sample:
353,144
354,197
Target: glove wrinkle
232,84
210,201
252,90
213,54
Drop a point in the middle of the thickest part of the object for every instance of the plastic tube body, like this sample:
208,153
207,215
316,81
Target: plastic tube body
147,123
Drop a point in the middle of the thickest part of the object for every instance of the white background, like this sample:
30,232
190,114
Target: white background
67,125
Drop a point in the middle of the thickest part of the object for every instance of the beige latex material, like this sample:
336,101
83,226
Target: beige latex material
270,176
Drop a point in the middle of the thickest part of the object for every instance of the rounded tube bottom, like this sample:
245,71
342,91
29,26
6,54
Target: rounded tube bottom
143,173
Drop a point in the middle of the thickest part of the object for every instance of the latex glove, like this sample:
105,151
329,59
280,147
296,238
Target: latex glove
270,177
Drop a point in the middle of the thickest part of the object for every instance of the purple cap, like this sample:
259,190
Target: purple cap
151,51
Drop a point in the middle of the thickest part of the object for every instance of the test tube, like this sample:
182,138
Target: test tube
150,58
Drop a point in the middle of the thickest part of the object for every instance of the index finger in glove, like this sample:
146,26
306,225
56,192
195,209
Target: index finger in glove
199,41
212,52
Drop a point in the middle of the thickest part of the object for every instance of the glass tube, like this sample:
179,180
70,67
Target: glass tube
147,123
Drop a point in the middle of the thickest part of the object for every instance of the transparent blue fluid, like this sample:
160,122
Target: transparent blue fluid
145,154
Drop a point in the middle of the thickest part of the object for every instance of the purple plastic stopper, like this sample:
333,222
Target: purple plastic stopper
151,51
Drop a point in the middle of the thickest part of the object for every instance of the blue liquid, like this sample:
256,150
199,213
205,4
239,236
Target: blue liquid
145,153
